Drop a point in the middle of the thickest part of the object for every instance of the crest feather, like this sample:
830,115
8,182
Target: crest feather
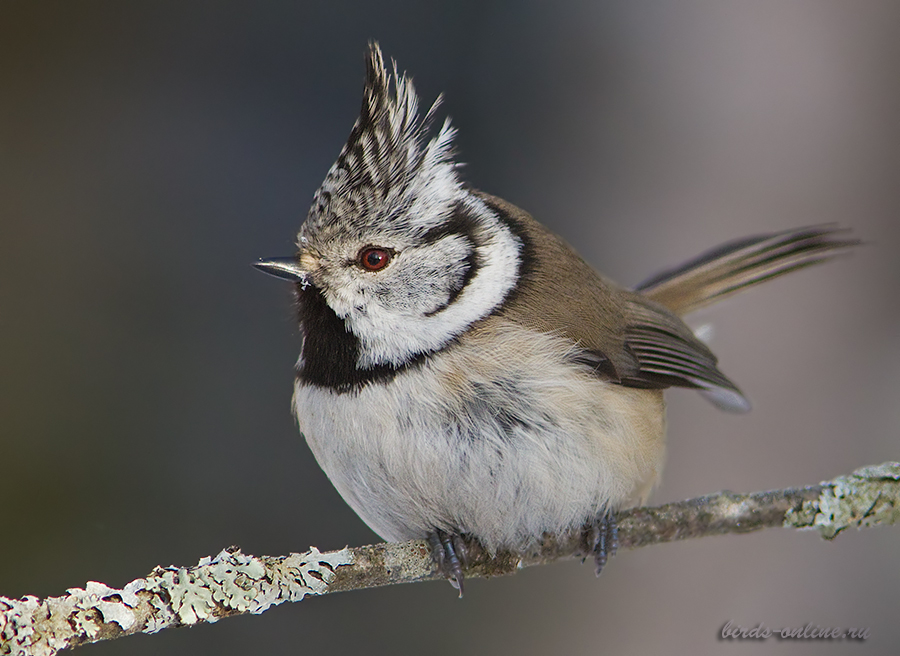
388,158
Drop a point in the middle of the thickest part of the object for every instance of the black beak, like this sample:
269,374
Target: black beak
287,268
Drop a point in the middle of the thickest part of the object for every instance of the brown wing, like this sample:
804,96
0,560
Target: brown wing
623,336
670,355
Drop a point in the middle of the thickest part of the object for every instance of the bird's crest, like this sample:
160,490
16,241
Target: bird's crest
389,162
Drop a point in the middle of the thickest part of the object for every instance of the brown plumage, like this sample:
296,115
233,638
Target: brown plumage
637,338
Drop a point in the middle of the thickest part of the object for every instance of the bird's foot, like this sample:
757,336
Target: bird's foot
451,554
601,539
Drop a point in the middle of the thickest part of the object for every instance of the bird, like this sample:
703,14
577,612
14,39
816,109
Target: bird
465,377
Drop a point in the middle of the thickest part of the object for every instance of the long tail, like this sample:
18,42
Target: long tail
740,264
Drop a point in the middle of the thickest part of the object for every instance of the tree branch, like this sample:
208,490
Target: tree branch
234,583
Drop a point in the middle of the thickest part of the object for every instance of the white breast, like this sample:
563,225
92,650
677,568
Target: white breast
475,441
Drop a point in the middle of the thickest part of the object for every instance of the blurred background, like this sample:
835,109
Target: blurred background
151,151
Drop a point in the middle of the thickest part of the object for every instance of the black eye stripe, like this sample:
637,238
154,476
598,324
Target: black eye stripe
472,265
459,223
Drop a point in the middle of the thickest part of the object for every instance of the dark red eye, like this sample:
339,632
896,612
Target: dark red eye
374,259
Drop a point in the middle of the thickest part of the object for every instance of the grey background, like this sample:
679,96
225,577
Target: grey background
150,151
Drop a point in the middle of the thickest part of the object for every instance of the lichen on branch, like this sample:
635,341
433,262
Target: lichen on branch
234,583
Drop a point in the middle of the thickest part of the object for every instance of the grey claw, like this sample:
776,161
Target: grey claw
449,553
601,538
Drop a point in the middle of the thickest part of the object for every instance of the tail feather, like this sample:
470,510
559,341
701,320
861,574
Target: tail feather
740,264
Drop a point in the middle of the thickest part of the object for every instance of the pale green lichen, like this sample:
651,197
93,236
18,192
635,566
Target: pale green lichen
41,628
114,605
868,497
236,582
230,583
304,574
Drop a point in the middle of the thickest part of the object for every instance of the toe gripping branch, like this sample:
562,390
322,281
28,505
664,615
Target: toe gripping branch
601,538
450,554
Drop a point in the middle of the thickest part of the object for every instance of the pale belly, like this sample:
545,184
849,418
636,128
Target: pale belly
497,450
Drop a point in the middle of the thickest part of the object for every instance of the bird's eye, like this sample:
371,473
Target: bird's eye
374,259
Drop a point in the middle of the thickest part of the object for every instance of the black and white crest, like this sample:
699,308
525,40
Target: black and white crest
388,165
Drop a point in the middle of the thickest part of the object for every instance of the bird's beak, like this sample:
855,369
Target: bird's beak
287,268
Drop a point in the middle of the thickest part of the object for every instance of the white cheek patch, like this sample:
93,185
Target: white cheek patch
426,277
393,335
